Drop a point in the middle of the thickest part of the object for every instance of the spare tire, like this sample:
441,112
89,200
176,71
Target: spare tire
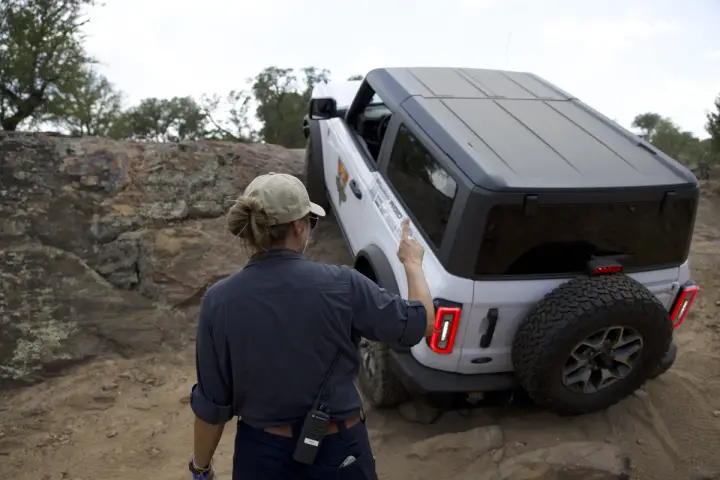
590,343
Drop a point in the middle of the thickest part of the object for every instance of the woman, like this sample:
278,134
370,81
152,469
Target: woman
276,345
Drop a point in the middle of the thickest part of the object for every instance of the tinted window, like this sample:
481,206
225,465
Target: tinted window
425,186
560,239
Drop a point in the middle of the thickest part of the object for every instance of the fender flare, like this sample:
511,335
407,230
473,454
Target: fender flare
380,266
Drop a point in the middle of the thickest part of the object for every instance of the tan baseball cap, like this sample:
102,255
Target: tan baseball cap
283,197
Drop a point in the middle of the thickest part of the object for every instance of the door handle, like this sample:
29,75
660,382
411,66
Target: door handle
355,189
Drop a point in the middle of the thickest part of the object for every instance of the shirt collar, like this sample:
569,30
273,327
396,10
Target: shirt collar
274,254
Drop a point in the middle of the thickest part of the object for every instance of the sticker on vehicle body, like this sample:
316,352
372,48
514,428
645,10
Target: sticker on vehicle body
395,210
381,189
388,208
341,180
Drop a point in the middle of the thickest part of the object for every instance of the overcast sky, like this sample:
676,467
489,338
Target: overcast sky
621,57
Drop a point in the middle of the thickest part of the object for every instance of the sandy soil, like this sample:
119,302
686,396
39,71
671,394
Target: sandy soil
122,418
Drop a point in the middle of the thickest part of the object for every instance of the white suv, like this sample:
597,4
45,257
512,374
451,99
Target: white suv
556,241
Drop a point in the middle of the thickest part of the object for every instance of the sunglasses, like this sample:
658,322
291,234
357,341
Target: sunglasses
313,221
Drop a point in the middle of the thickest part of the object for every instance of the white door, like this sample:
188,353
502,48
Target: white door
347,179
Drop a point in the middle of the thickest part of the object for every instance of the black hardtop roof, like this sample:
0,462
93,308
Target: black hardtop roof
515,131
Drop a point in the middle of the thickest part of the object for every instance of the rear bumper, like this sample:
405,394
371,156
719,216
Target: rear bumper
421,380
666,362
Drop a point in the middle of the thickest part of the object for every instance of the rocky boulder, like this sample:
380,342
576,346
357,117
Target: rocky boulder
124,207
56,311
97,235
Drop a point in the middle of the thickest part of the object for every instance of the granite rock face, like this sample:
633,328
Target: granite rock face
102,241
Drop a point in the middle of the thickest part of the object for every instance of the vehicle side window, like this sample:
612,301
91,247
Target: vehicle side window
424,185
369,118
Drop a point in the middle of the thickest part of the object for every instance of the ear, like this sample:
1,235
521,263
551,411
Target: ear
298,227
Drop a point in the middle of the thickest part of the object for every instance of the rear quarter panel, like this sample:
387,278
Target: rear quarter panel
386,216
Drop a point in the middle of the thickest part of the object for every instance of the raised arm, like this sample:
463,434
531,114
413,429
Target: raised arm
411,254
386,317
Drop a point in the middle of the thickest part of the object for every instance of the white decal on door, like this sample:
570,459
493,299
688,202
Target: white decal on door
387,207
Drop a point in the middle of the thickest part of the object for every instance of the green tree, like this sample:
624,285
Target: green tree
92,106
355,77
41,56
164,120
274,90
713,128
664,134
282,102
235,126
647,123
313,76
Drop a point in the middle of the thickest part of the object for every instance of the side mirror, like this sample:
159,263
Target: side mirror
323,108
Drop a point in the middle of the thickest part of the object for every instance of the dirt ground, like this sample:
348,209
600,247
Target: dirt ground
121,418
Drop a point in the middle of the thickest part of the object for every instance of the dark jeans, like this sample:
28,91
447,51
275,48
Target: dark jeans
260,455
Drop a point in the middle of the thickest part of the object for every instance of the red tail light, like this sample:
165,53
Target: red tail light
604,266
682,304
446,323
607,269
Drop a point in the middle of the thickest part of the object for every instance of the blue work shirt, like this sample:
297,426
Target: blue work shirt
268,334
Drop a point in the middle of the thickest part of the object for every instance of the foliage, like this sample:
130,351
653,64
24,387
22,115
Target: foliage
91,106
647,123
713,128
311,77
664,134
41,56
282,103
164,120
236,126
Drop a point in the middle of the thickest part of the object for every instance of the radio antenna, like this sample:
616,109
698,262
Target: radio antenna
507,47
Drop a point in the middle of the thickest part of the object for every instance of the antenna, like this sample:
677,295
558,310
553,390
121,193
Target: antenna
507,48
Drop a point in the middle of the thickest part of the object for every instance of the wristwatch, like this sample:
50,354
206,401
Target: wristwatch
195,470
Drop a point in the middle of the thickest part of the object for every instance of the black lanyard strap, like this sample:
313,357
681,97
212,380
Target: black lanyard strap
321,390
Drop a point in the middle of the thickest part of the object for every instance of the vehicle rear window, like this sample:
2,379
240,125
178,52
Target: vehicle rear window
560,239
422,183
